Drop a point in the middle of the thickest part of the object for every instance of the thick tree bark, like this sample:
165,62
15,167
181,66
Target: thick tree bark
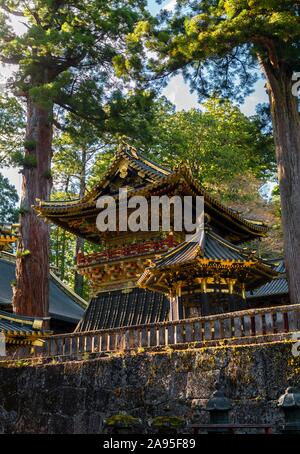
78,281
32,267
286,124
78,278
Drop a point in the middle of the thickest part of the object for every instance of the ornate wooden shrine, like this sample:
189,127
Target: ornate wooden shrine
114,272
208,275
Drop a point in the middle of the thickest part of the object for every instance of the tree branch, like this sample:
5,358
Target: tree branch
10,60
13,12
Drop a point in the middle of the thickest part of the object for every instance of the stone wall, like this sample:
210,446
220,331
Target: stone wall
74,396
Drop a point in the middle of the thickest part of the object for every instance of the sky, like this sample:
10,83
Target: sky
177,91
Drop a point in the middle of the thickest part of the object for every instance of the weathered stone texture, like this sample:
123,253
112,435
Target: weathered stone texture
74,397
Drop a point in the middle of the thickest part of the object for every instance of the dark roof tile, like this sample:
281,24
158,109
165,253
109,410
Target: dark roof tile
123,308
277,286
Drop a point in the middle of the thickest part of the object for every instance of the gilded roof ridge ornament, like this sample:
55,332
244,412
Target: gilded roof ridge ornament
8,235
182,166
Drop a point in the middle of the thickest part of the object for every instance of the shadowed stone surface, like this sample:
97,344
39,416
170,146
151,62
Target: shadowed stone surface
74,397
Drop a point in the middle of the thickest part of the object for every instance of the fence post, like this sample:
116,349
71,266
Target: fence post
171,339
144,336
207,331
247,325
198,331
279,322
178,333
269,323
162,335
127,339
188,332
258,324
153,336
238,327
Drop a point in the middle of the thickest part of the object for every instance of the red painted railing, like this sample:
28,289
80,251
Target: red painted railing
132,250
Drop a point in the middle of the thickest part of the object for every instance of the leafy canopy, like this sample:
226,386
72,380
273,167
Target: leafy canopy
8,201
217,43
219,143
66,56
12,126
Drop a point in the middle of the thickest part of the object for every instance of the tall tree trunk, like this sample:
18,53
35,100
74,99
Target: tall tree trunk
78,278
63,255
286,124
32,266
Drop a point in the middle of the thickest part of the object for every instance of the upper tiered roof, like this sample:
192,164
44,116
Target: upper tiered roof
143,177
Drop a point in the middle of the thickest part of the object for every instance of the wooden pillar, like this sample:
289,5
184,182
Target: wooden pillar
174,307
243,292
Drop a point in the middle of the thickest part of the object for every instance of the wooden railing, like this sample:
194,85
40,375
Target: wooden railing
243,324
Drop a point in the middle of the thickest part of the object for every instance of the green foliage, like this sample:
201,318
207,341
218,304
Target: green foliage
75,151
47,174
217,43
8,201
22,254
67,56
30,144
168,421
219,143
23,210
29,161
122,420
12,129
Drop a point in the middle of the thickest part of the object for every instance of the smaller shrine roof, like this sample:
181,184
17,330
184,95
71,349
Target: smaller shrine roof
277,286
208,250
18,328
211,246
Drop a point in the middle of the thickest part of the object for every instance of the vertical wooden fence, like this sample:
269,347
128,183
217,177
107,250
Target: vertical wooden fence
244,324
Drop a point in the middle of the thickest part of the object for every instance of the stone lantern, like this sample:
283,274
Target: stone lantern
289,402
218,407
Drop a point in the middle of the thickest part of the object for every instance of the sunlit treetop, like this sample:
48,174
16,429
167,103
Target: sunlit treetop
218,43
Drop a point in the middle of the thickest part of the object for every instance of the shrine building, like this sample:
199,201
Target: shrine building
147,277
